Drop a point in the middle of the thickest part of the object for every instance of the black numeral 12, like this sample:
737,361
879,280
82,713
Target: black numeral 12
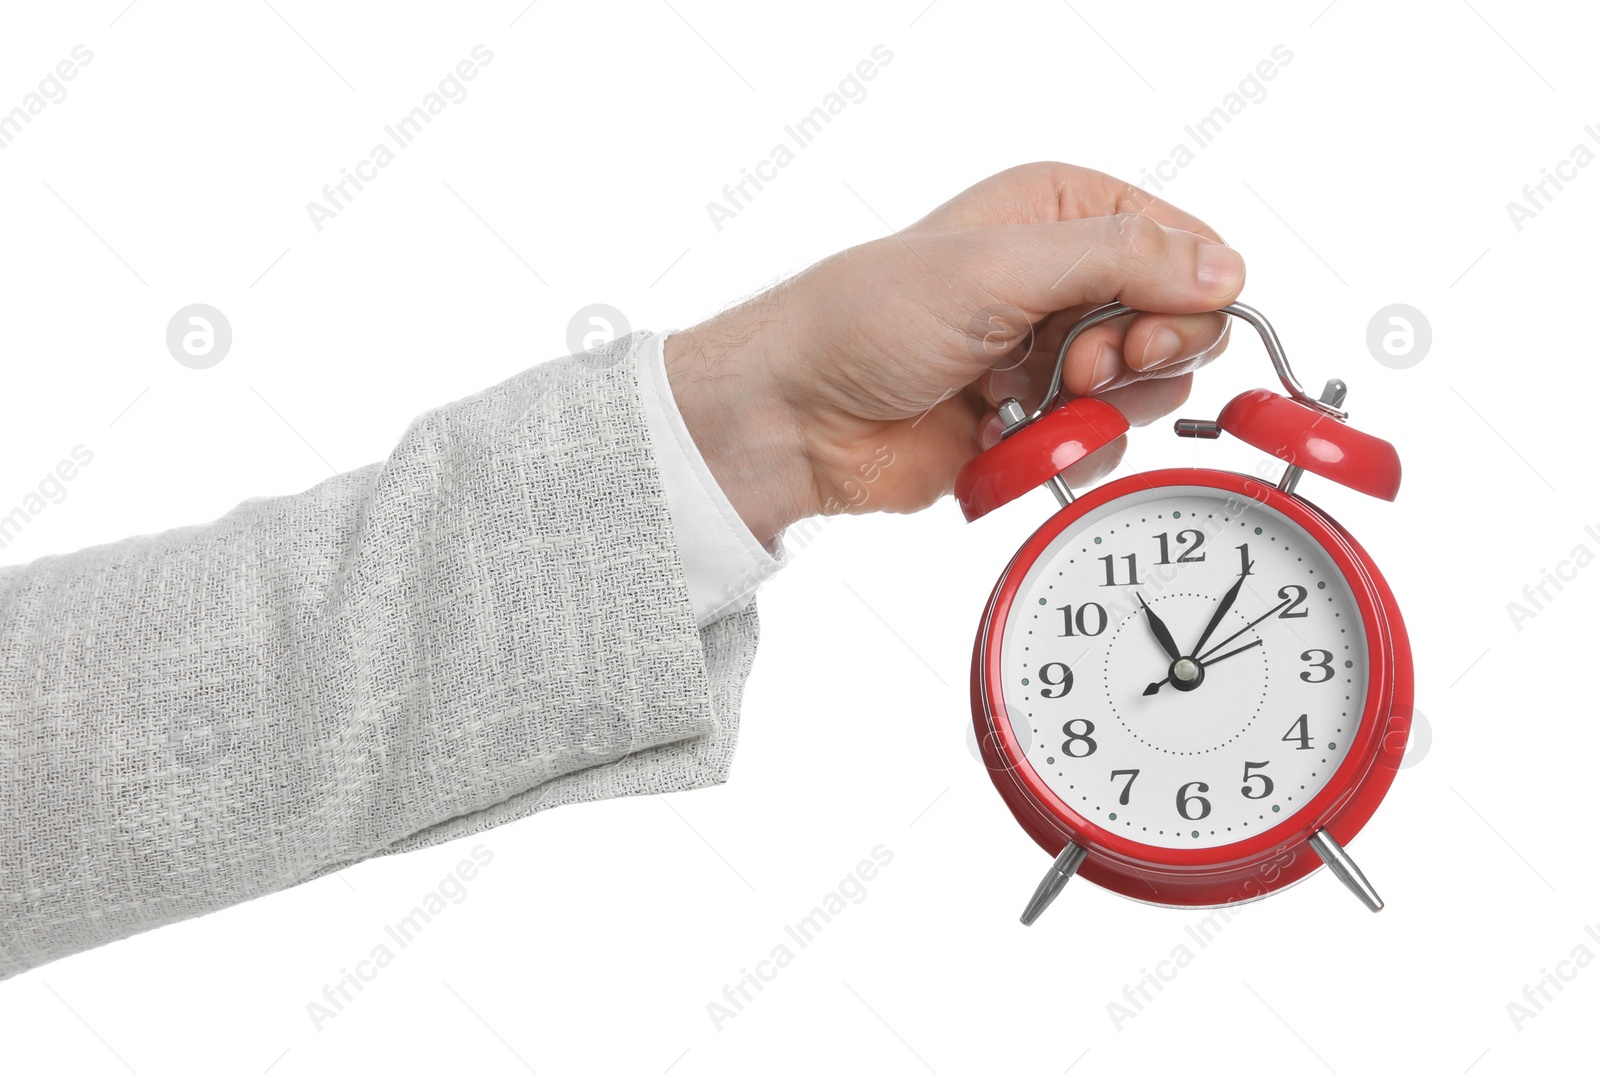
1193,538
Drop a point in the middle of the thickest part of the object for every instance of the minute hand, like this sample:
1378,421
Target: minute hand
1267,615
1216,617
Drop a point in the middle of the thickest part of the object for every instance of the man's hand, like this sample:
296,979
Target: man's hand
865,382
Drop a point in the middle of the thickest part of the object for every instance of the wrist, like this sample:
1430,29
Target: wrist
723,376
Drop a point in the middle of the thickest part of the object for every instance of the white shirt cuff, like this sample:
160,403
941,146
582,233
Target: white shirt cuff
723,563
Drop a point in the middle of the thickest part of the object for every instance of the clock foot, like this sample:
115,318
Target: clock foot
1061,871
1339,864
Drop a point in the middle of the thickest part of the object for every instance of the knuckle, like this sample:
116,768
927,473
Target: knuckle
1141,239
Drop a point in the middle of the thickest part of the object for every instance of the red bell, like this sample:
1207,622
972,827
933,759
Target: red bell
1039,451
1320,443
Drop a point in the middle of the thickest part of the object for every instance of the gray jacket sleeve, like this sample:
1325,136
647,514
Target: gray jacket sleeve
490,622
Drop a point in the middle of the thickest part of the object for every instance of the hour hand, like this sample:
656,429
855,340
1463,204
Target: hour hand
1159,629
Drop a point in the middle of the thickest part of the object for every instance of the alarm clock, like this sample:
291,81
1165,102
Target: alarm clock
1191,687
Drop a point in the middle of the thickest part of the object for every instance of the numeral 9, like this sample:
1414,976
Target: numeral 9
1062,680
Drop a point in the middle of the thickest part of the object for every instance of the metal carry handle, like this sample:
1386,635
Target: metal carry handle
1280,361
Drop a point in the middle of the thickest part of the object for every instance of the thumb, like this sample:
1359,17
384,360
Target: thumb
1128,257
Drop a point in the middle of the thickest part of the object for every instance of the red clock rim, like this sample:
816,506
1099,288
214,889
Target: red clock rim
1358,764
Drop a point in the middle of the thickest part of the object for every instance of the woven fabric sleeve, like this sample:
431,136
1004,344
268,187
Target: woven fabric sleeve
490,622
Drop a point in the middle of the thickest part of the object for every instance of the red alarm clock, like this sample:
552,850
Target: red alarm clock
1191,687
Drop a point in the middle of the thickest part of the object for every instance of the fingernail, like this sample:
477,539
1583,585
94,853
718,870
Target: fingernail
1219,268
1162,347
1107,364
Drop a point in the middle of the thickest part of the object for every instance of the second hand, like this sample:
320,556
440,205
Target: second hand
1271,612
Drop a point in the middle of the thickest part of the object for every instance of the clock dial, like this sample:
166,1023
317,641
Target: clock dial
1186,669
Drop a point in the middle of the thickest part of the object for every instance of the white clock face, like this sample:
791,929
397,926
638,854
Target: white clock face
1198,739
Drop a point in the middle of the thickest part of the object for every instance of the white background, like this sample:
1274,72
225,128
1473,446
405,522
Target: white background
1376,170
